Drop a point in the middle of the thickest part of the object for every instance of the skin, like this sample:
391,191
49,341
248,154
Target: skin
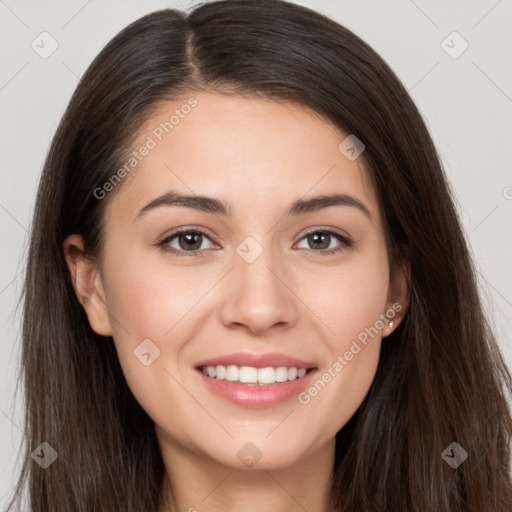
257,155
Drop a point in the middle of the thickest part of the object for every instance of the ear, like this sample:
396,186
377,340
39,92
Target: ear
88,284
398,296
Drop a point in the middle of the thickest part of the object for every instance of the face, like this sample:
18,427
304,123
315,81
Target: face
243,280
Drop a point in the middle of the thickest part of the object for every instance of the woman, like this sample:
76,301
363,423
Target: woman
188,345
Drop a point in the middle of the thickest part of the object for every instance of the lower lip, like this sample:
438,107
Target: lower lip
255,396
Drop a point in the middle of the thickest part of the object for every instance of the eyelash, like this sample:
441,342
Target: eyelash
346,243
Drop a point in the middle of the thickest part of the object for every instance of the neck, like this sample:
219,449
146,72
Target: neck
200,483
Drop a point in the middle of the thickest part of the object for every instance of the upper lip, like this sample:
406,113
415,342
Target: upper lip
257,361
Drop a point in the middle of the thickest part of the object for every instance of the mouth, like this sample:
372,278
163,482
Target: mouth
256,380
252,376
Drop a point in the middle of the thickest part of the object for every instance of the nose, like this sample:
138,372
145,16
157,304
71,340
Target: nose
259,295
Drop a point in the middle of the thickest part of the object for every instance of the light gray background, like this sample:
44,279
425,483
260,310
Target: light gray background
466,102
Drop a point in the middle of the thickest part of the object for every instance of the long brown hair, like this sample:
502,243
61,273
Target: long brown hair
441,377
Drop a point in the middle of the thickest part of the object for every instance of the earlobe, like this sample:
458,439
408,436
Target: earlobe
87,283
398,297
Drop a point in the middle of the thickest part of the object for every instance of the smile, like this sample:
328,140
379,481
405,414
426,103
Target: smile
254,376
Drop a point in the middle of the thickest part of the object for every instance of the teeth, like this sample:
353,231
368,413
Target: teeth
266,375
247,374
251,375
281,374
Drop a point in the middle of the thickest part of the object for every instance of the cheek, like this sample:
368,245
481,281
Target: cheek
144,306
351,308
146,302
350,299
149,299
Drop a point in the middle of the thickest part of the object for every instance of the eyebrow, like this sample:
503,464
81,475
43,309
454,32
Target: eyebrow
218,207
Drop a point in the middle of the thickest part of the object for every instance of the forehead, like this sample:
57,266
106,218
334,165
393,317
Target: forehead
249,151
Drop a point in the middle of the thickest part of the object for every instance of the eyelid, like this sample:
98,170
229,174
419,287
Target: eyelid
188,229
327,229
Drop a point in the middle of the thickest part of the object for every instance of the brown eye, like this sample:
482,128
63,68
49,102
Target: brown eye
326,242
184,241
